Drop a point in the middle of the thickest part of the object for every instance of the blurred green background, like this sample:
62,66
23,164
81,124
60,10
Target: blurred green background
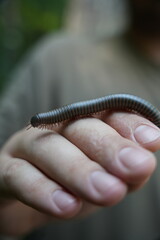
22,23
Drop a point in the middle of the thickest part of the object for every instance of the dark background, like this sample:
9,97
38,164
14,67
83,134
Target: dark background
22,24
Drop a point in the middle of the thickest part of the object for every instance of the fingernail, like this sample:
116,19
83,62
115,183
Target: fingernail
63,201
102,182
132,157
145,134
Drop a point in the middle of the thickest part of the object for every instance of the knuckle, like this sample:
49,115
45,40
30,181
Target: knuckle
104,145
11,171
37,185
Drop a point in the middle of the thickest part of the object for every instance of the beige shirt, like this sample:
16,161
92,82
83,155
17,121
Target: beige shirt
64,69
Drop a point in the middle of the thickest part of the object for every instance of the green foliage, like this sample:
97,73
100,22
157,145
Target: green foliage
41,15
22,23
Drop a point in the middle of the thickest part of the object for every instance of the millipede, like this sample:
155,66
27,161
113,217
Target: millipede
114,102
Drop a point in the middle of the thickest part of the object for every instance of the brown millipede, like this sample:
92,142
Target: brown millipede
124,102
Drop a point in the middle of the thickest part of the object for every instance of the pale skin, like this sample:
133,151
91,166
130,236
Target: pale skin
75,169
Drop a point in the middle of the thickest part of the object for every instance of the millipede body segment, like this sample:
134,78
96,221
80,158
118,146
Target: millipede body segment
122,102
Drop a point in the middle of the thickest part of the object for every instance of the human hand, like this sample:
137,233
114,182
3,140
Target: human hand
90,162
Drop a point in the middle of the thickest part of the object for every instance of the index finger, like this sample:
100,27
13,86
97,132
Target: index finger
135,128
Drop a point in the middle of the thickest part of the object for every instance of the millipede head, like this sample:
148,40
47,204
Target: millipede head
35,121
